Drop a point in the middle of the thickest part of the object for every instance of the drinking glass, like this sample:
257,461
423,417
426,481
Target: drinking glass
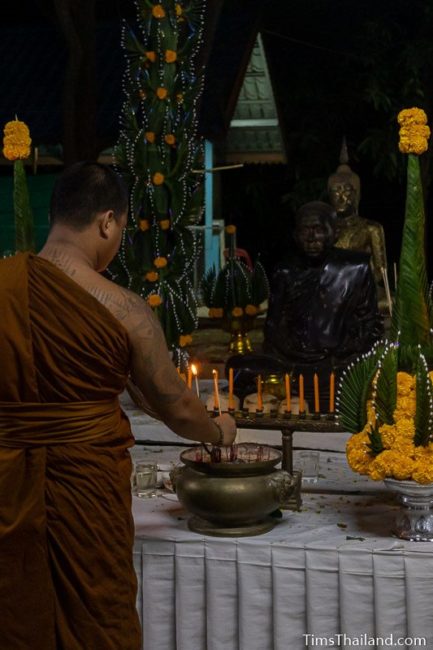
145,479
309,463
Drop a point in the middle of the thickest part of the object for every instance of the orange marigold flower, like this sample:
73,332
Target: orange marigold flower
158,11
185,339
16,141
154,300
251,310
164,224
179,9
160,262
230,230
144,225
170,139
161,93
237,311
151,56
158,178
179,98
151,276
170,56
150,136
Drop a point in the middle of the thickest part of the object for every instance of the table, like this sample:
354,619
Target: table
331,569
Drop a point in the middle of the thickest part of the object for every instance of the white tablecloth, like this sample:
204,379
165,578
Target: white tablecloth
331,569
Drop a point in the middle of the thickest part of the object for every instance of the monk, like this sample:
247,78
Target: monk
69,340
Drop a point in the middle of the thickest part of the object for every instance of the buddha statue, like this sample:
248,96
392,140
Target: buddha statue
323,309
354,232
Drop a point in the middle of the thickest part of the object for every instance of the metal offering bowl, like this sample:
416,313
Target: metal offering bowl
233,499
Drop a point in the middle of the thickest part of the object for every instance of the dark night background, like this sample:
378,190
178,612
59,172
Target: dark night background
338,69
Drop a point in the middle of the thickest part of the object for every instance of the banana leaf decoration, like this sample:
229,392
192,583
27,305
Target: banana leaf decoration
385,393
424,405
355,388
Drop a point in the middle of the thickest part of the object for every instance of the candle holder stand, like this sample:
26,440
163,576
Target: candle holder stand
288,423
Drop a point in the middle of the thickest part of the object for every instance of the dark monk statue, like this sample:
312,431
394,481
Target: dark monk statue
322,310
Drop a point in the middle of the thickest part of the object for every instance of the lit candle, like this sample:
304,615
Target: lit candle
216,395
301,394
231,400
189,382
316,393
331,392
194,371
288,397
259,393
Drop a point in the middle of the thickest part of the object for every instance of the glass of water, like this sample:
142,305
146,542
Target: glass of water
145,479
309,464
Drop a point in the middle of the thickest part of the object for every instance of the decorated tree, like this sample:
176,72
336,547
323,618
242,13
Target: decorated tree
158,154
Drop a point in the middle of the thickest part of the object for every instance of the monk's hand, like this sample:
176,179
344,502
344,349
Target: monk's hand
227,426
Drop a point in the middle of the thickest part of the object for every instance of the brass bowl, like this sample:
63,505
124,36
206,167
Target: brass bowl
232,499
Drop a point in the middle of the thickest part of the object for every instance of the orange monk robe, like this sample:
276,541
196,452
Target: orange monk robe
66,532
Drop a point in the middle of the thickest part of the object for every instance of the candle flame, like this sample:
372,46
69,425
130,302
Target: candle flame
194,369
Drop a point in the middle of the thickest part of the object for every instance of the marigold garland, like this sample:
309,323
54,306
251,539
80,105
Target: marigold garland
184,340
400,459
16,141
158,178
170,139
161,92
151,276
158,11
150,136
216,312
414,132
237,311
230,230
251,310
154,300
160,262
151,56
164,224
144,225
170,56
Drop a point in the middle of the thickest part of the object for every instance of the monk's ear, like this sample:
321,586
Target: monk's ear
105,223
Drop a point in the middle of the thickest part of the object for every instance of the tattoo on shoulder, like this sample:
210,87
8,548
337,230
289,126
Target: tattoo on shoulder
62,260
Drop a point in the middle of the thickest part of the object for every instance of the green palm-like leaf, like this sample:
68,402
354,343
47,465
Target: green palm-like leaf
24,228
259,284
424,405
354,390
386,386
376,444
412,314
208,286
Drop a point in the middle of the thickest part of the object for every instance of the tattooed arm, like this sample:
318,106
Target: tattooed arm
153,372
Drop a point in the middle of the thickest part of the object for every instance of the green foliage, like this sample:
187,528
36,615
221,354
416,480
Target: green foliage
235,285
354,391
24,228
424,405
386,386
412,314
157,151
376,444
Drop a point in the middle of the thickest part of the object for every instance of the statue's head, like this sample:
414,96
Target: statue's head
344,191
315,229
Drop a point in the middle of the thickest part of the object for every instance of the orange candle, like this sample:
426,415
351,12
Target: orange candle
331,392
216,395
189,382
301,394
259,393
194,371
316,393
288,397
231,400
